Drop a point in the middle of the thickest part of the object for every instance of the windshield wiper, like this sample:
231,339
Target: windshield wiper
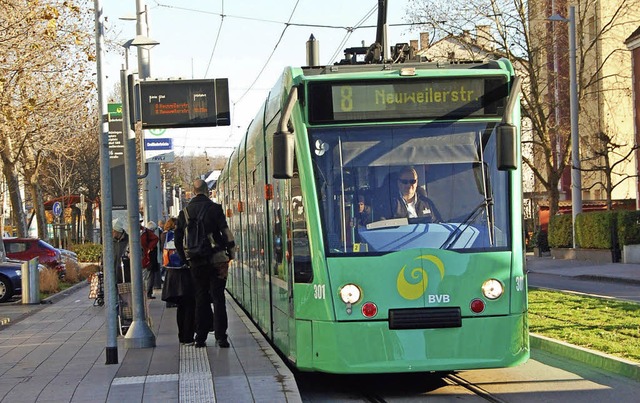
394,222
457,232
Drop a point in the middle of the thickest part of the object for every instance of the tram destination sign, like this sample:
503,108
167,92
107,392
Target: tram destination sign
411,98
184,103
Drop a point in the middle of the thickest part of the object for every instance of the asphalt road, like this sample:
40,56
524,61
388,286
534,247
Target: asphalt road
600,288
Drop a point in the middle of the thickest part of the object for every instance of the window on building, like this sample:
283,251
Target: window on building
591,29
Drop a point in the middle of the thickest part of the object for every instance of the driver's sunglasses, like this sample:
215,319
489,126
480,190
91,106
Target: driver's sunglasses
407,181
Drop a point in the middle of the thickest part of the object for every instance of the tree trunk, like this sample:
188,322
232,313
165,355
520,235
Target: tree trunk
13,184
31,173
88,221
38,206
554,196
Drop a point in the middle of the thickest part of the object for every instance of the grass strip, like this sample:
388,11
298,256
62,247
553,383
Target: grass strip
605,325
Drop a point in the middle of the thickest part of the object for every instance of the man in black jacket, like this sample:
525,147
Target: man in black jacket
209,273
409,200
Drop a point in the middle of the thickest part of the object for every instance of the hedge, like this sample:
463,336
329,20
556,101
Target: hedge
88,252
596,229
560,231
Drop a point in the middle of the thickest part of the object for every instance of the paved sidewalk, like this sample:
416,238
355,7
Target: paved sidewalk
57,354
617,272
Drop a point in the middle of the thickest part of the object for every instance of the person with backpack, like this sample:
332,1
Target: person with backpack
204,241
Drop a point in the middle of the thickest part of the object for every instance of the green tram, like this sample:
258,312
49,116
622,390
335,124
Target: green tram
341,288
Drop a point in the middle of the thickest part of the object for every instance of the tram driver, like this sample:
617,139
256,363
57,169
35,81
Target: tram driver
410,200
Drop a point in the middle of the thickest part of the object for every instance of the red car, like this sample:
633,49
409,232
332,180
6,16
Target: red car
28,248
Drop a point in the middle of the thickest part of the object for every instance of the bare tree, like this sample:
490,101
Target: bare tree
190,168
45,79
538,49
606,159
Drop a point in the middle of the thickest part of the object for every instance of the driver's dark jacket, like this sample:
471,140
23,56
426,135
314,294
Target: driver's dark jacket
397,208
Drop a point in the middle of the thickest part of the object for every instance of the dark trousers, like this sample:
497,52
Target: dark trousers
185,316
147,277
209,288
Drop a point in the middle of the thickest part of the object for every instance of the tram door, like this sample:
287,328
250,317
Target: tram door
280,285
247,236
260,249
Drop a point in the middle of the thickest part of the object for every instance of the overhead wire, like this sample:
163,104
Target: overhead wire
240,17
215,44
287,24
270,56
350,31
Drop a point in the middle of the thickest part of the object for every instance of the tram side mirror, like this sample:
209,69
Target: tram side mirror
282,155
506,144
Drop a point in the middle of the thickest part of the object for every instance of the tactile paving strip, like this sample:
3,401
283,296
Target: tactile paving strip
196,380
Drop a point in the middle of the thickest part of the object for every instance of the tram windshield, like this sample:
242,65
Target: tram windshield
389,188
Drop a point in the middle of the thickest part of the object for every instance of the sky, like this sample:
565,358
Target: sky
250,46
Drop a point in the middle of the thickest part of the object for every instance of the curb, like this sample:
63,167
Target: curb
591,277
286,378
57,296
6,321
608,279
596,359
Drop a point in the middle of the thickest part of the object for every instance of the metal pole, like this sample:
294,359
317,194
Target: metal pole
151,193
139,334
105,199
556,69
576,180
165,213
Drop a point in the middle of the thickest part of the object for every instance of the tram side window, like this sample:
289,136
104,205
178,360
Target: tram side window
301,252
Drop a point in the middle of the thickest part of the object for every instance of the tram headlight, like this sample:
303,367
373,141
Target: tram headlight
350,294
492,289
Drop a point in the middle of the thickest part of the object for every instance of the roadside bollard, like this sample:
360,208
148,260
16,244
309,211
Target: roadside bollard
30,282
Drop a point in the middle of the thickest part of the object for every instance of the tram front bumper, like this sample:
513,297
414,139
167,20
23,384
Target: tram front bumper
371,347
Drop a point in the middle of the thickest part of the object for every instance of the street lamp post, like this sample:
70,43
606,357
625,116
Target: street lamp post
576,180
152,185
111,295
139,335
152,180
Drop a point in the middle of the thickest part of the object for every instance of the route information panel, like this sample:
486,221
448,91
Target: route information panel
415,98
184,103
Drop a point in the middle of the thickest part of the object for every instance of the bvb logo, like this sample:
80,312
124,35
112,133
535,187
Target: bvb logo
415,289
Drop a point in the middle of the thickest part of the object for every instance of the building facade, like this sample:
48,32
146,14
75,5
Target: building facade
633,43
607,139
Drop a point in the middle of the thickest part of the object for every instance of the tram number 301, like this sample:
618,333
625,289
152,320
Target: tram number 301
319,291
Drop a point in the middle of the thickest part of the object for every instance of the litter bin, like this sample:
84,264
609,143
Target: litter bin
30,282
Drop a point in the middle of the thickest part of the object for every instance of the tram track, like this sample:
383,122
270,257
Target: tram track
450,379
475,389
368,397
449,383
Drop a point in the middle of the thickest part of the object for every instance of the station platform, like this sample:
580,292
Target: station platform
55,352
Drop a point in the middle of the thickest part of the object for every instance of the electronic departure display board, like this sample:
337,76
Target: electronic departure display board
184,103
407,98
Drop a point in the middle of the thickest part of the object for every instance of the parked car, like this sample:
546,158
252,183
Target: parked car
28,248
10,279
68,257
